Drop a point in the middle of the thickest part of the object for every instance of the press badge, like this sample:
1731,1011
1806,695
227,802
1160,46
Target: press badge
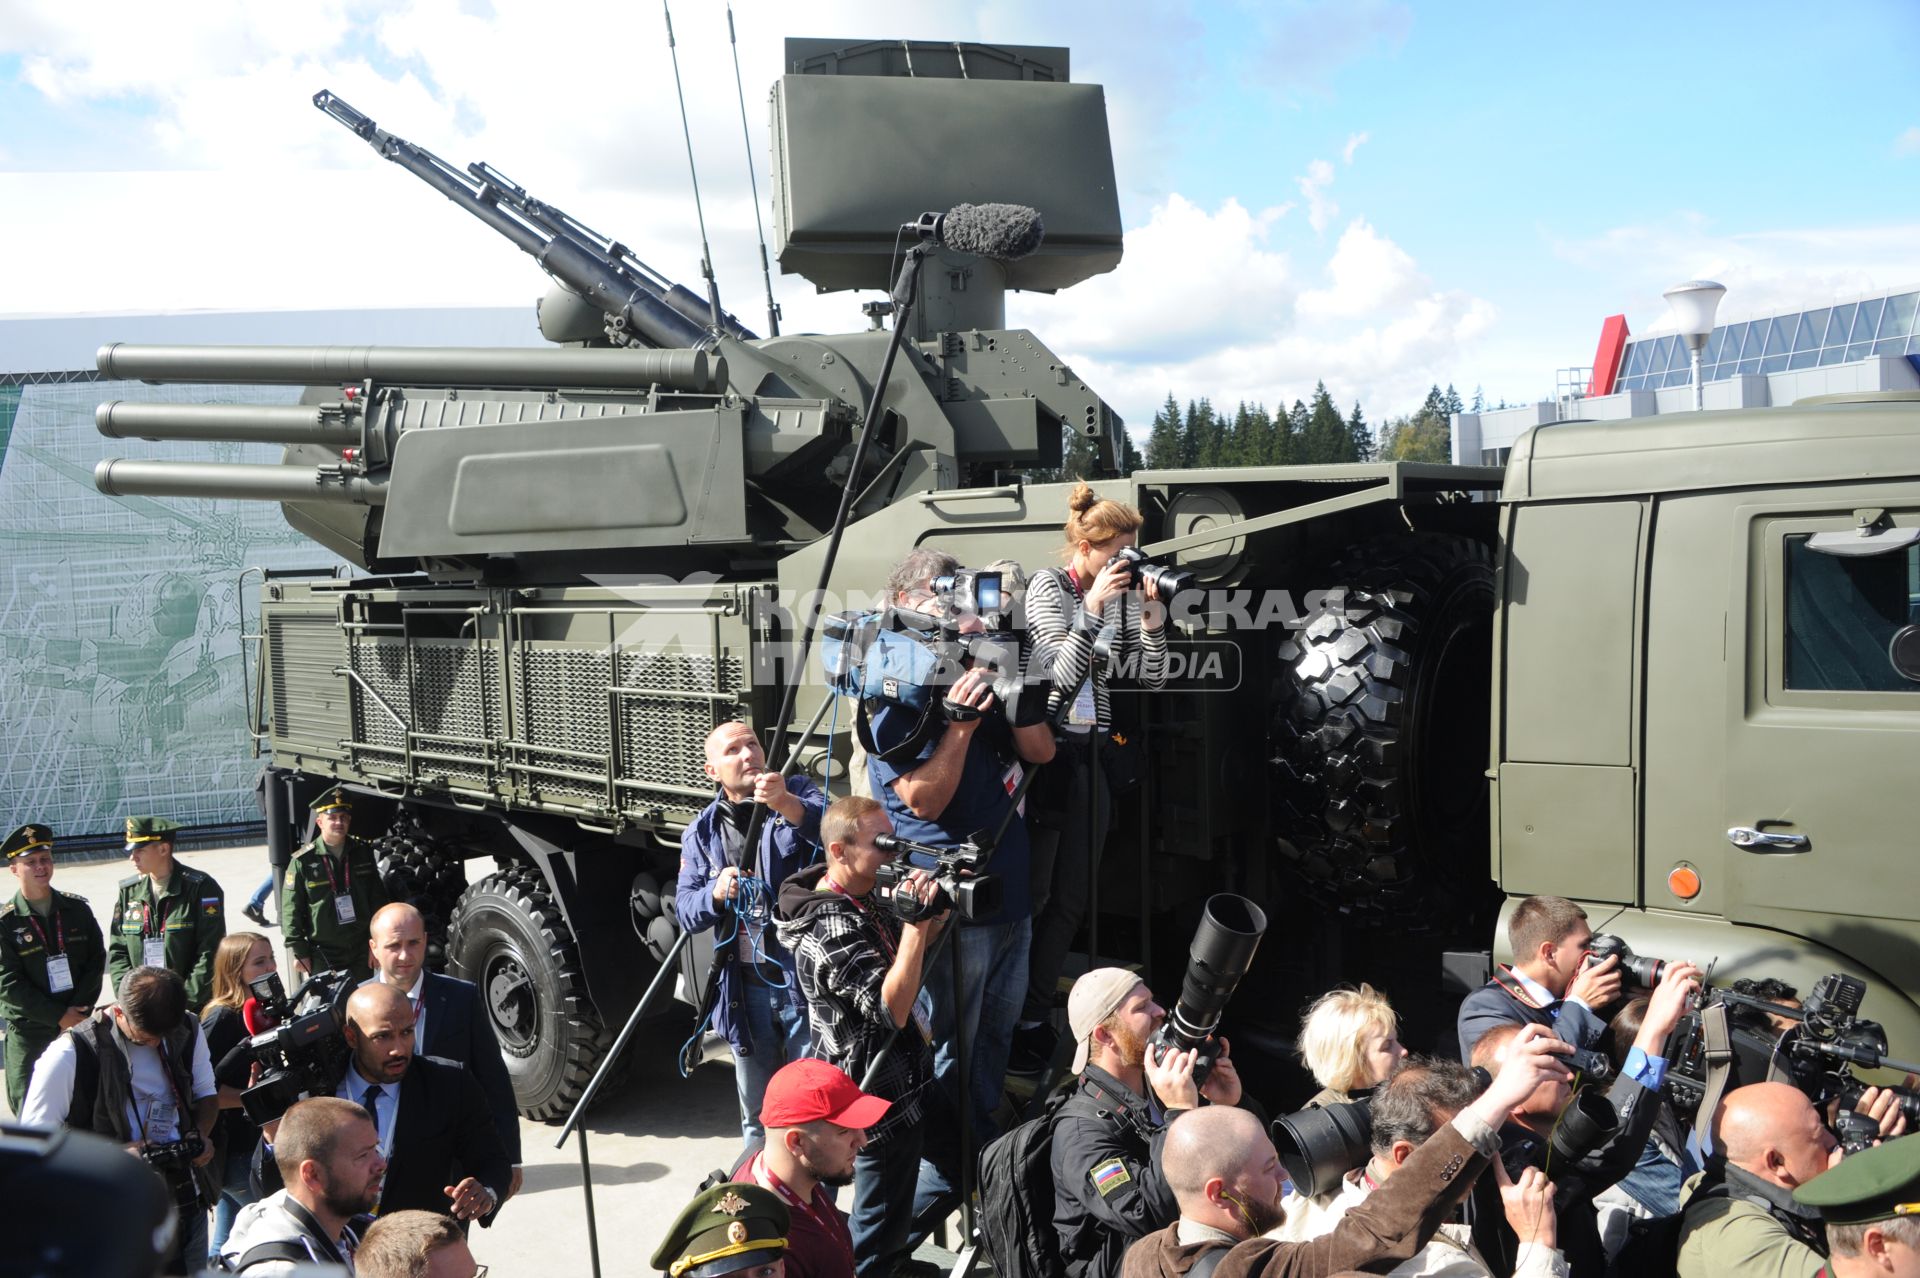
59,974
1083,714
153,951
343,908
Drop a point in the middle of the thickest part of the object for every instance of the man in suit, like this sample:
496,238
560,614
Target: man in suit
450,1022
1550,984
431,1116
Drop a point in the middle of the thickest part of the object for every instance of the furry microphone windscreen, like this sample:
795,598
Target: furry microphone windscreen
1004,231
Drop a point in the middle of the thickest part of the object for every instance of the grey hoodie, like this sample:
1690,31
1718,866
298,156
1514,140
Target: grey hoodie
270,1220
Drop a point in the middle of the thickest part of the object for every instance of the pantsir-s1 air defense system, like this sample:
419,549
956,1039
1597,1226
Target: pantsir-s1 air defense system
1680,689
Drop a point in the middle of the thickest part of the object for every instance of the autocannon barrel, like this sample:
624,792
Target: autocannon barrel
229,423
686,370
121,477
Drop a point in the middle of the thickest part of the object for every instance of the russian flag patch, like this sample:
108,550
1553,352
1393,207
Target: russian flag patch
1109,1176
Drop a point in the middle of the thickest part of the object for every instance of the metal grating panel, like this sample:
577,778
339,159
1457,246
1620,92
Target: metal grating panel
456,710
382,662
661,737
309,700
560,701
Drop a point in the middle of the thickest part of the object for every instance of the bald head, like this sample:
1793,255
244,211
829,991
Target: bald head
1216,1141
1773,1131
734,759
397,944
380,1030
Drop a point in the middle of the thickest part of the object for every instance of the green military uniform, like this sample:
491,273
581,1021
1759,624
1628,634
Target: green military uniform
723,1231
329,901
186,919
31,942
1874,1185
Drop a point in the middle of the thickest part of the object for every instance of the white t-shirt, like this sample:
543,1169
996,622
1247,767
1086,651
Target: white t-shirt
153,1112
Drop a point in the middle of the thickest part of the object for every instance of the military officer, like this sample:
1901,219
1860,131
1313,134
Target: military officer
168,915
333,888
1870,1204
729,1229
51,957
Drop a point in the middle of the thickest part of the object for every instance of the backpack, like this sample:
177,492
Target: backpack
1016,1197
284,1249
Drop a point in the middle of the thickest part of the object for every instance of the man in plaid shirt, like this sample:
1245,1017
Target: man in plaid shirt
860,967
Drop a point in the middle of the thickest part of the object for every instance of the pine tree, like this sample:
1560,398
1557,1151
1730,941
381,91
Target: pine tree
1325,437
1079,457
1262,447
1190,436
1479,401
1297,453
1130,458
1360,434
1453,404
1163,437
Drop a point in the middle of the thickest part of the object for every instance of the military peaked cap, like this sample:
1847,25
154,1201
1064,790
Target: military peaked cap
150,829
331,799
28,838
724,1230
1875,1184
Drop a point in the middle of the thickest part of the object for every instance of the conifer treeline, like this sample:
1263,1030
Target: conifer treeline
1310,433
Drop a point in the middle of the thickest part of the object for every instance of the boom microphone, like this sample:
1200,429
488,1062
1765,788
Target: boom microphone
1003,231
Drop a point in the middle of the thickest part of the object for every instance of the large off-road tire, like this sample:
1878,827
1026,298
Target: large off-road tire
507,936
1380,733
421,871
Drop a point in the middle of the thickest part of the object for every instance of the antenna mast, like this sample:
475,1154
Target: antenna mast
706,253
746,138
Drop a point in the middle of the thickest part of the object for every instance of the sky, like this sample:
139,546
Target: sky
1380,195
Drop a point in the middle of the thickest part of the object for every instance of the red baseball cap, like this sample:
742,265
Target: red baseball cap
805,1090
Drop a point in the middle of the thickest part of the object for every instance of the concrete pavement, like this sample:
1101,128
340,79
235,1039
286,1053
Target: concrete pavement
651,1140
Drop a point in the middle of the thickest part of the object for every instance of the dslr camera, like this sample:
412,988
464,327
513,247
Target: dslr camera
1168,581
1635,970
1223,948
299,1043
957,883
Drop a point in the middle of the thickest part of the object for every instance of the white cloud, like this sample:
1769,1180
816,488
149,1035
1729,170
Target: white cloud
1354,143
1368,273
1908,143
1313,187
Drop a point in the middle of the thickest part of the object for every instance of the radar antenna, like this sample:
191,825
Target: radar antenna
706,253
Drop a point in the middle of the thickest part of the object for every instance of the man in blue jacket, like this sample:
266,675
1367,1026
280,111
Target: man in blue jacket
759,1009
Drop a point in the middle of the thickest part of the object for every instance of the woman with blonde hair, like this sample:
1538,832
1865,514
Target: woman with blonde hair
1066,608
1350,1042
242,957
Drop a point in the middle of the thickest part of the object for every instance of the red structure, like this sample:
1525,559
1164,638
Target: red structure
1606,360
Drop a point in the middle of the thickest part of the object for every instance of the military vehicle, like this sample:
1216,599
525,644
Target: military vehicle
1666,668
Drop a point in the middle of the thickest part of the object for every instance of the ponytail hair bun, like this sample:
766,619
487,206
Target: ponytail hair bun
1096,519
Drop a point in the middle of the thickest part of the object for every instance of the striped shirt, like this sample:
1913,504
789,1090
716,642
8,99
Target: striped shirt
1063,632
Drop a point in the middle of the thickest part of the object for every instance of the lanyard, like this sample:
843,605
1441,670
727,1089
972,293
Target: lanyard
886,942
1525,999
346,868
59,928
146,919
764,1176
179,1102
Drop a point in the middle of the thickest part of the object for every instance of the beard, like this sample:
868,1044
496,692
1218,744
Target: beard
339,1199
1130,1045
838,1180
1264,1217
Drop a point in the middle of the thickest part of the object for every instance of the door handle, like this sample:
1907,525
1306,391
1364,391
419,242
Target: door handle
1752,840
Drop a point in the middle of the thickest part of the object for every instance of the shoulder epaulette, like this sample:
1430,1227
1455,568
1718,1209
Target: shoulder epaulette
131,879
6,908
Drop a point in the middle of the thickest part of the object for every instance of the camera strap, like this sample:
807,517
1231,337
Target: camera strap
1718,1046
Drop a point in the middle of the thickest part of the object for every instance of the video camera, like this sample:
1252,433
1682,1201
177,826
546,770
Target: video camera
299,1043
1223,948
1816,1054
957,884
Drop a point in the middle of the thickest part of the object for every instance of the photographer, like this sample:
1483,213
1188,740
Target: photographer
1419,1099
139,1074
1584,1141
1550,983
327,1152
1108,1186
960,780
1740,1215
243,958
859,966
757,1006
1227,1178
1350,1043
1066,609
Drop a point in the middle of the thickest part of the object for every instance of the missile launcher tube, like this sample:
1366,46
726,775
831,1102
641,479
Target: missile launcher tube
120,477
228,423
685,370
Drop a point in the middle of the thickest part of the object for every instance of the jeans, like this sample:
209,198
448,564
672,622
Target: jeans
883,1202
235,1193
1061,880
258,901
993,972
776,1021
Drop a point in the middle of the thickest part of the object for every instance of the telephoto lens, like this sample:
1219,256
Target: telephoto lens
1639,972
1223,948
1584,1126
1318,1147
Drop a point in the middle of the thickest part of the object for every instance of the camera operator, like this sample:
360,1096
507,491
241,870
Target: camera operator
960,781
1740,1215
431,1116
52,957
328,1153
1226,1176
450,1022
1550,983
1421,1097
139,1074
1584,1142
860,966
1108,1185
1066,608
757,1007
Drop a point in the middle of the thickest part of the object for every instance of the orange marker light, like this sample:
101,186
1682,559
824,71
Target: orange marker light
1684,882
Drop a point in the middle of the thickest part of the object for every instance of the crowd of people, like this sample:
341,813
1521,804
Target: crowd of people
873,1024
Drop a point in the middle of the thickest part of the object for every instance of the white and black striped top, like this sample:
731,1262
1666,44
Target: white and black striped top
1062,632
